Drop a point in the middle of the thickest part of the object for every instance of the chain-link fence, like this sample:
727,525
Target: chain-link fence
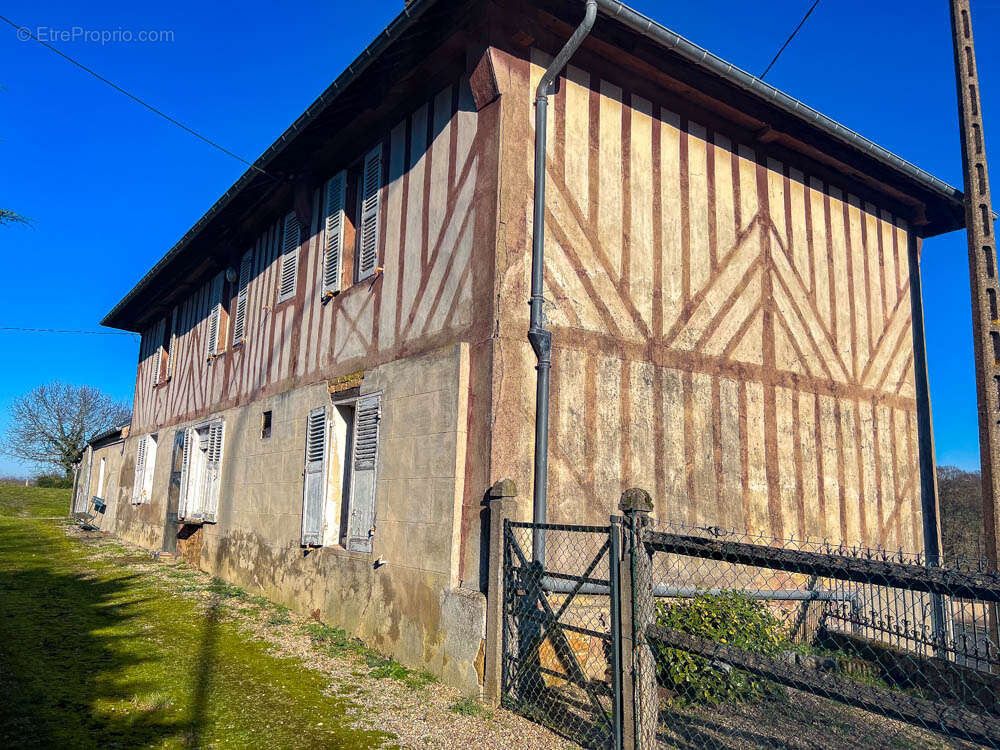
560,651
763,642
652,636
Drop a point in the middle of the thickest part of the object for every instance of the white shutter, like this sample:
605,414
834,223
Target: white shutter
100,478
172,344
361,524
185,475
140,466
371,189
240,318
215,313
213,470
82,498
148,469
336,187
314,477
289,257
158,331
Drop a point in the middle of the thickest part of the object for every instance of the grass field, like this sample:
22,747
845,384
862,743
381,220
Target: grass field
95,655
22,502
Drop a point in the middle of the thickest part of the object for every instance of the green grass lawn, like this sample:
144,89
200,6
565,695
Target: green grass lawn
23,502
95,655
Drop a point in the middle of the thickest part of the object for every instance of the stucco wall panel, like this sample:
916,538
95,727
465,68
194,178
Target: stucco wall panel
729,331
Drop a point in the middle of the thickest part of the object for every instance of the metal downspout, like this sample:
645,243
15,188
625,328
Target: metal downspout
540,338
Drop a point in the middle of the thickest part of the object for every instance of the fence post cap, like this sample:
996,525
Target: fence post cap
503,488
637,499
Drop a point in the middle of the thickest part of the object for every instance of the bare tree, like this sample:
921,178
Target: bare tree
9,217
51,424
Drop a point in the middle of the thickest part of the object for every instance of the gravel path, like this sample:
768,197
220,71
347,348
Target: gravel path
420,714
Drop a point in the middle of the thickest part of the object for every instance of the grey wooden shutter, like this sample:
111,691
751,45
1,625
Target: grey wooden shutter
82,498
213,470
158,331
242,293
371,189
314,477
172,344
212,345
140,468
361,524
182,502
289,257
336,188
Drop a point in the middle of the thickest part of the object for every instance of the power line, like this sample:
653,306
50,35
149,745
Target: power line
66,330
790,38
25,32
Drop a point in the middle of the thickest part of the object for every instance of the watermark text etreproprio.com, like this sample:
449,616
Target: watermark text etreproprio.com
98,36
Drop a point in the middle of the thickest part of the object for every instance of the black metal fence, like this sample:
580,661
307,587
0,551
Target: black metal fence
637,635
560,657
802,644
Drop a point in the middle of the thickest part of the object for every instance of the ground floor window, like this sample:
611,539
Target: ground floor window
201,467
145,464
338,489
100,478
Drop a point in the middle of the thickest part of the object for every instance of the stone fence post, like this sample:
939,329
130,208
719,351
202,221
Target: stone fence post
502,504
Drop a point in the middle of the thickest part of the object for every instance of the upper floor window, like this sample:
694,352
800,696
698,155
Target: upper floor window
290,239
351,220
218,318
368,197
242,296
162,338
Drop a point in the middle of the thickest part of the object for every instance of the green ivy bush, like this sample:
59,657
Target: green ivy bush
732,618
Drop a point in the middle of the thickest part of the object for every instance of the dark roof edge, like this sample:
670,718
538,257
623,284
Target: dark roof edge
705,59
109,433
411,12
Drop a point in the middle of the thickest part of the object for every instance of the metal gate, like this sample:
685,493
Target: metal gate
561,655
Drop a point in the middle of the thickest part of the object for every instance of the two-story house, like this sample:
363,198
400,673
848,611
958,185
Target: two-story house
334,364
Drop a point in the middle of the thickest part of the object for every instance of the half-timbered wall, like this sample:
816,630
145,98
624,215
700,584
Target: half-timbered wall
730,332
432,180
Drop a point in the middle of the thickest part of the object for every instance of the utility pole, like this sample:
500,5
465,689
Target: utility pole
982,267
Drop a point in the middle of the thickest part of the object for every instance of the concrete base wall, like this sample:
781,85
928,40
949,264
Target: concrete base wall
410,605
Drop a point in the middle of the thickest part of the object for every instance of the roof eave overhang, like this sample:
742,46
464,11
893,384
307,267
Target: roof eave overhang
412,11
945,202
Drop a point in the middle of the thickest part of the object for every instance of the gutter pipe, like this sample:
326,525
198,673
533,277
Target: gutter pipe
538,336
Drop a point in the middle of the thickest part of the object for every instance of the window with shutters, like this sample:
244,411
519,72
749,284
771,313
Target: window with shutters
338,487
100,478
290,238
157,340
242,298
145,464
216,318
201,472
335,221
170,344
314,477
369,196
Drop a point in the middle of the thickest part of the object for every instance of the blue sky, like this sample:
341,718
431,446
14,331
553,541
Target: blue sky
111,186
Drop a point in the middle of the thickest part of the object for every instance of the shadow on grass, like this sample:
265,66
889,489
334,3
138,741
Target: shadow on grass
67,644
